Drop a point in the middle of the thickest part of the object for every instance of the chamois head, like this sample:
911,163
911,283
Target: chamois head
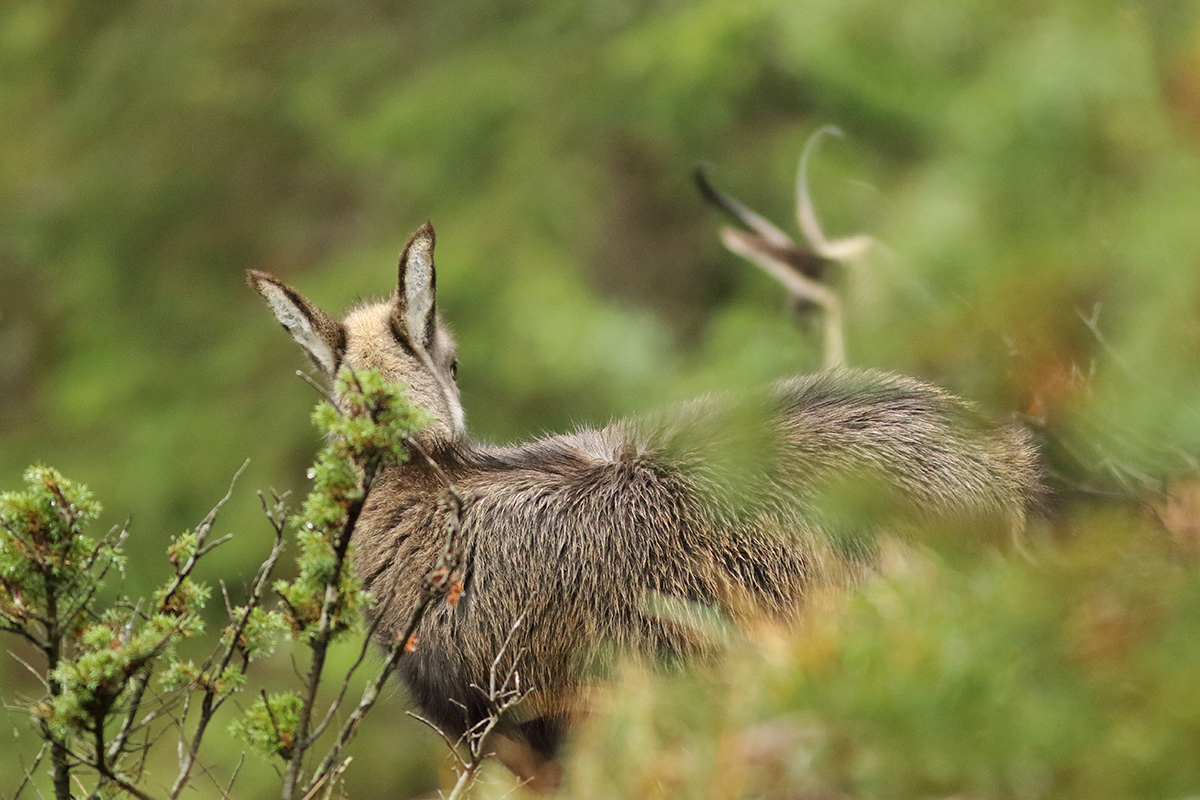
403,337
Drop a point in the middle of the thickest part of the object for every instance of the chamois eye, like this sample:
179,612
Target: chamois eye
454,368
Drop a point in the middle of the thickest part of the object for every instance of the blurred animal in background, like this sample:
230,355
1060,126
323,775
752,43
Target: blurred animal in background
807,273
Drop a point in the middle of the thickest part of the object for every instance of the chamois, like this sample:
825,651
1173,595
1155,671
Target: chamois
629,537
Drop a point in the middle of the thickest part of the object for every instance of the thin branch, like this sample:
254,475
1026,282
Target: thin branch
500,698
106,544
368,639
459,501
450,743
320,648
32,670
108,774
140,682
28,778
321,390
201,532
228,791
328,781
369,696
465,779
225,598
208,548
16,626
492,692
435,585
271,715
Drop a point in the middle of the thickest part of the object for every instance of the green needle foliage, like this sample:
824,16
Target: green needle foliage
269,727
368,430
99,655
47,565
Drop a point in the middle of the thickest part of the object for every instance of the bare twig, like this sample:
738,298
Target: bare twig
321,390
450,743
140,681
368,639
328,781
228,790
28,770
109,775
106,544
501,696
32,670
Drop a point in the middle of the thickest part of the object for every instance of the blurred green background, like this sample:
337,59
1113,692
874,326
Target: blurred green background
1032,169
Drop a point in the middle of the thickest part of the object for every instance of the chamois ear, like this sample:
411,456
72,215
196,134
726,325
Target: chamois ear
321,336
415,289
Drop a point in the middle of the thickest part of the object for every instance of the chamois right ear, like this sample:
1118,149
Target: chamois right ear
321,336
416,303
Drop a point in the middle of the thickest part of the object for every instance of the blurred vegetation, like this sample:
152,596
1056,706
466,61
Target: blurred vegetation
1033,169
1072,676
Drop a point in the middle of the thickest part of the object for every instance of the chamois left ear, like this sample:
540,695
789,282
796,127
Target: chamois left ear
415,290
322,337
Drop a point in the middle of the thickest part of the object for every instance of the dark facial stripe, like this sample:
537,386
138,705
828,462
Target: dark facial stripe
401,337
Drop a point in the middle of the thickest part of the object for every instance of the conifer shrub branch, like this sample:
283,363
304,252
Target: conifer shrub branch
111,669
98,660
368,427
371,427
251,634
